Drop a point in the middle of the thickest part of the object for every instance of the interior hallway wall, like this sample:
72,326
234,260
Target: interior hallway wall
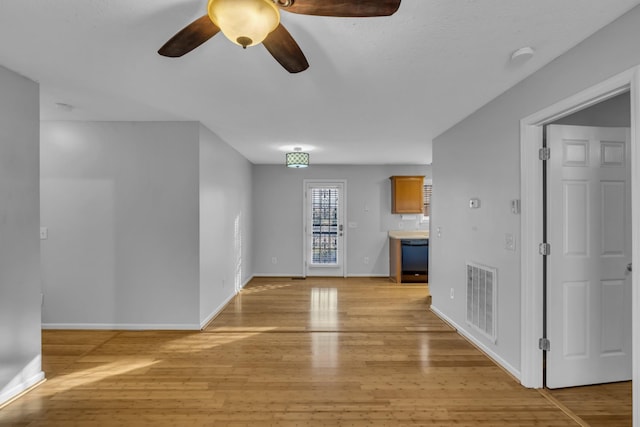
480,158
20,343
120,201
225,223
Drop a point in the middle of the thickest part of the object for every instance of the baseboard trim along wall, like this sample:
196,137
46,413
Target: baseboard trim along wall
491,354
297,275
125,326
368,275
8,395
278,275
25,378
222,306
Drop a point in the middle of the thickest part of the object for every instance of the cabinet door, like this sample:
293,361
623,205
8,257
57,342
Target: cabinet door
407,194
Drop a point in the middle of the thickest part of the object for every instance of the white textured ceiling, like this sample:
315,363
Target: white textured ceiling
377,90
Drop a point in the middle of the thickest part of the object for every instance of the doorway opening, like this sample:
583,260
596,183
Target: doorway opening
324,213
532,273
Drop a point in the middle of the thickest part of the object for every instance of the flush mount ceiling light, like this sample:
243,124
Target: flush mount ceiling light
522,55
297,159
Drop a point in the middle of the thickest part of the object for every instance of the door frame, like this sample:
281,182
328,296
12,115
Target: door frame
531,273
305,184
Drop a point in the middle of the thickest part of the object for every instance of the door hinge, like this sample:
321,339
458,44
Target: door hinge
544,153
544,344
544,249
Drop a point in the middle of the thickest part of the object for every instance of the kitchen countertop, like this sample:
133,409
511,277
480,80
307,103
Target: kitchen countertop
405,234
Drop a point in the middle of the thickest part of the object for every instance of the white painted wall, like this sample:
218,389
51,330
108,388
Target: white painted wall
225,223
278,216
120,201
480,157
20,344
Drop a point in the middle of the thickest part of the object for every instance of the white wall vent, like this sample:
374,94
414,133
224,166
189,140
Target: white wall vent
482,299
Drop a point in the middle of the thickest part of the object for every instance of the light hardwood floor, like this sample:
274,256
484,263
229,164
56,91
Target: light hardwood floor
605,405
314,352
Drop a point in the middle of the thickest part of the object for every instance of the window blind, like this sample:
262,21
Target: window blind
426,197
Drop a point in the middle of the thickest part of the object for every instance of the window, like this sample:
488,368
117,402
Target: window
426,199
324,211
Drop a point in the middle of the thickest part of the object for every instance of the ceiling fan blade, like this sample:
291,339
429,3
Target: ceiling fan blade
285,50
343,8
190,37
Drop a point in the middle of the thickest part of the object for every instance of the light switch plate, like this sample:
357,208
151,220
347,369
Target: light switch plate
474,203
509,242
44,233
515,206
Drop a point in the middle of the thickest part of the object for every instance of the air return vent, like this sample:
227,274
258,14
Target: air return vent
482,299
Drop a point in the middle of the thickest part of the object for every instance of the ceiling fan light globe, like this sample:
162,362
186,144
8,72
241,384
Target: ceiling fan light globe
244,20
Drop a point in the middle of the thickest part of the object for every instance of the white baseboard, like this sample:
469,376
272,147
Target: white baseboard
299,275
15,391
490,353
222,305
217,311
277,275
146,326
125,326
27,377
367,275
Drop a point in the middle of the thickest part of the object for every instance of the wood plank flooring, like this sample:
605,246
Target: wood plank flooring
604,405
314,352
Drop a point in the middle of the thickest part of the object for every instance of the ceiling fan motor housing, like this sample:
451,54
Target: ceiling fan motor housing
244,22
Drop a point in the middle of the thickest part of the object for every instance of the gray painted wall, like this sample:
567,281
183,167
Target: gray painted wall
480,157
614,112
225,223
278,216
120,201
20,348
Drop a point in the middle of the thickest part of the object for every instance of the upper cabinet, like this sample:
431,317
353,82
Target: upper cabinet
406,194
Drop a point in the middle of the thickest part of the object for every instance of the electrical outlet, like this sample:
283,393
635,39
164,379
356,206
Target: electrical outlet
451,294
274,260
439,232
366,260
401,225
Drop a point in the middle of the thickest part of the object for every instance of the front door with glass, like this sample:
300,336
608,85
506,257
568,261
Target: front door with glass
324,228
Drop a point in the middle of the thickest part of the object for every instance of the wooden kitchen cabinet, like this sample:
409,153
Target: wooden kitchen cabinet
406,194
395,260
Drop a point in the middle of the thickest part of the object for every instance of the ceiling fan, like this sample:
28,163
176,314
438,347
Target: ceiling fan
251,22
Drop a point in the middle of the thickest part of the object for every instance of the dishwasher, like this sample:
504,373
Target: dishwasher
415,260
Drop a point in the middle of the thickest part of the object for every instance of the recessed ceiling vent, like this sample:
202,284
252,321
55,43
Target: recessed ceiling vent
482,299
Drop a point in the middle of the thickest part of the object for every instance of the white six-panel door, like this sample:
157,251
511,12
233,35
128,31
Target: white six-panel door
589,230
